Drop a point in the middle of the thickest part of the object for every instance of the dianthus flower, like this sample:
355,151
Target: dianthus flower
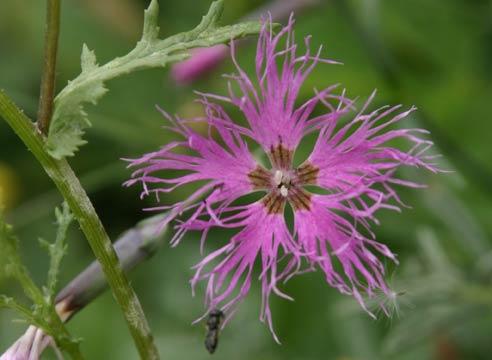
334,193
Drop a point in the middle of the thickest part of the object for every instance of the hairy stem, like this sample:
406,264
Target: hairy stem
133,247
69,186
45,110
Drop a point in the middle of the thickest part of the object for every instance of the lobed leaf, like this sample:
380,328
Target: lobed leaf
57,249
70,120
42,313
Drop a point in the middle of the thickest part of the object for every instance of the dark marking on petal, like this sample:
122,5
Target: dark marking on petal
307,173
299,198
260,178
274,202
281,157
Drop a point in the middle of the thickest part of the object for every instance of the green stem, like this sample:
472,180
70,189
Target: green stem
133,247
61,335
47,93
69,186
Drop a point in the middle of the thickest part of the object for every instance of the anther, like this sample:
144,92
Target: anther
278,177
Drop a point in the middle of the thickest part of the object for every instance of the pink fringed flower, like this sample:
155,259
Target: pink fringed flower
352,166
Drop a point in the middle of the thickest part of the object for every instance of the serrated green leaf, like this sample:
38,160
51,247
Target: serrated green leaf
12,265
69,119
88,59
42,313
151,19
27,313
57,249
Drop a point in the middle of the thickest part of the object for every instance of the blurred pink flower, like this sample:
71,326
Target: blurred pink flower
201,61
351,165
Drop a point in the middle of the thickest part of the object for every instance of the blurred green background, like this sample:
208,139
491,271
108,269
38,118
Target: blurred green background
435,54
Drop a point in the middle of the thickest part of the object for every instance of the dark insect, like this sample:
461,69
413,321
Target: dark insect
214,321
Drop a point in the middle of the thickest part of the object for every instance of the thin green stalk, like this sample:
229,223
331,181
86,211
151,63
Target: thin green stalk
45,110
133,247
43,313
69,186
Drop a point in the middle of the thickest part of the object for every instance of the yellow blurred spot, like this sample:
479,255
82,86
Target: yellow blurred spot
9,189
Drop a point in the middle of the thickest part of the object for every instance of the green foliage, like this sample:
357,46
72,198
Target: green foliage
11,263
443,56
433,299
441,297
42,313
70,119
57,249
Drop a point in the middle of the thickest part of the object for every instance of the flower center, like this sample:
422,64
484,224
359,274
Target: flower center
284,183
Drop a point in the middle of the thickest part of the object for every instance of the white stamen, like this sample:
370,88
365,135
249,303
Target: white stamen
277,177
284,191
